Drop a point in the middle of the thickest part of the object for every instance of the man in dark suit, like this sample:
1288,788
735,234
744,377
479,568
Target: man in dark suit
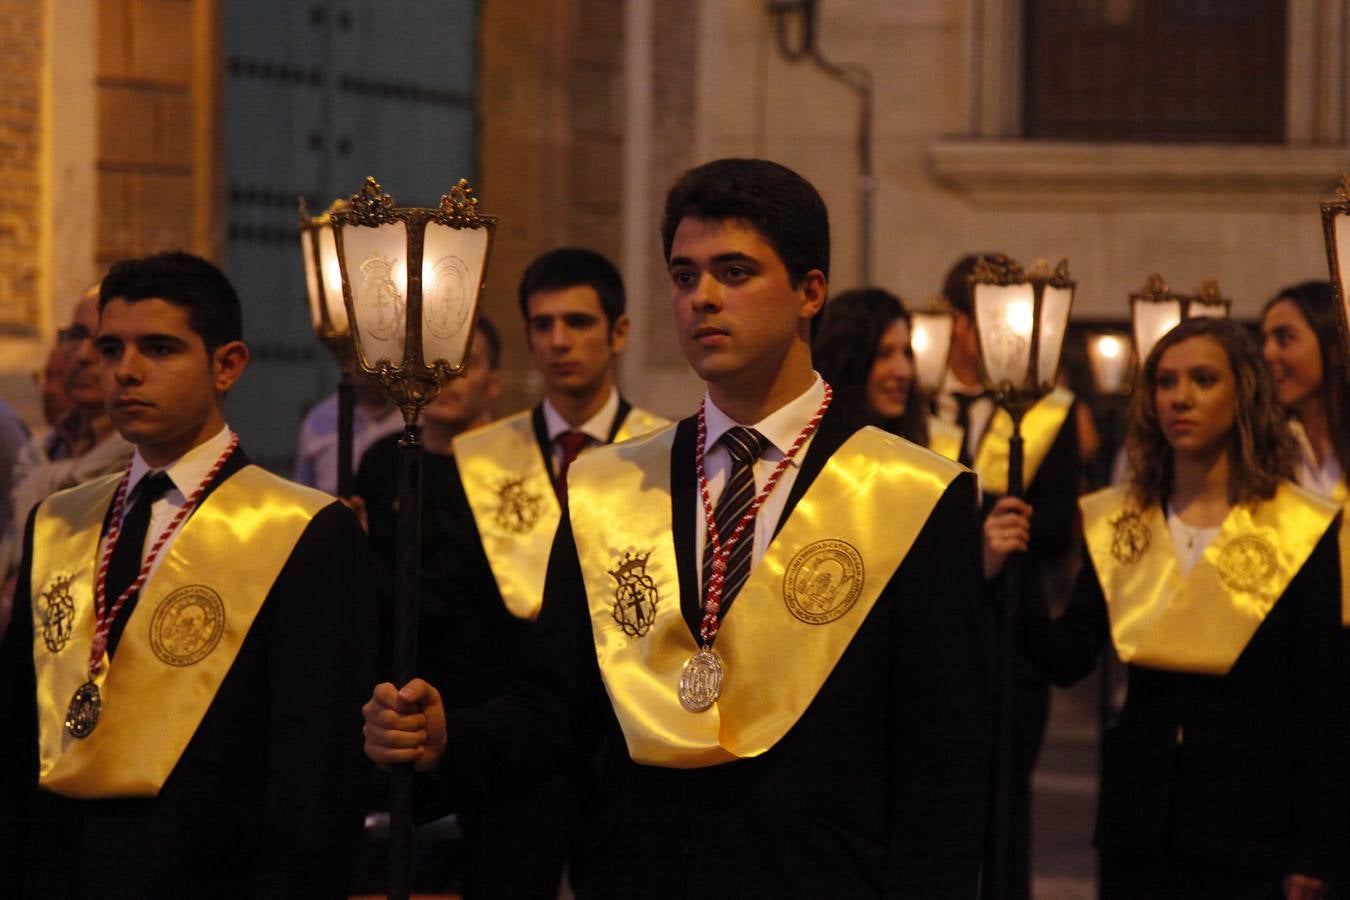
491,511
1052,474
777,697
189,640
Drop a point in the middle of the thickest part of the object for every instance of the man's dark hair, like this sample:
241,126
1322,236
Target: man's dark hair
494,341
774,200
183,280
568,267
957,288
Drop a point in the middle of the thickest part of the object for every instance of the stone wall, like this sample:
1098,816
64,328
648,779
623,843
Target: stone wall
22,31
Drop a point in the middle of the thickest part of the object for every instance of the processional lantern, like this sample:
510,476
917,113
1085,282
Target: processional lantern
411,279
1156,309
930,337
1020,321
1111,359
1336,229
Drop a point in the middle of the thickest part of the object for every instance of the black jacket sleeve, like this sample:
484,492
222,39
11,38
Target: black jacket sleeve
1066,649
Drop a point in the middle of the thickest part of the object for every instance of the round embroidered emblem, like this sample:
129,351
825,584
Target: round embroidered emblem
823,581
517,508
58,614
1130,539
1247,563
187,625
635,595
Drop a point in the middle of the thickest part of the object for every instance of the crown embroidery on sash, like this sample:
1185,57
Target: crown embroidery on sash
518,509
1247,564
1130,540
635,594
58,614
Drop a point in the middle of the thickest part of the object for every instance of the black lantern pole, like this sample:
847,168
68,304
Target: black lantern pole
1020,322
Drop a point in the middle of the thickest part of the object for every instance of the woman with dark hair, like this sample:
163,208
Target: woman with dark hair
862,350
1224,774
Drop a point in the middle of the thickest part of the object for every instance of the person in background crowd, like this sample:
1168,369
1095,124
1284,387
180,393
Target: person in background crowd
82,445
51,383
191,639
1225,773
881,388
463,403
845,752
1301,343
316,452
489,524
1052,471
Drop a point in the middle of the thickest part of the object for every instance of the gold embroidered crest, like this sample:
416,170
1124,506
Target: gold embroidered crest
58,614
187,625
1131,537
635,595
823,581
517,508
1247,564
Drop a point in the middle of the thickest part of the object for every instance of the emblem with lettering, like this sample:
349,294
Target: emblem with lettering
1247,564
1130,539
823,581
187,625
517,508
635,595
58,614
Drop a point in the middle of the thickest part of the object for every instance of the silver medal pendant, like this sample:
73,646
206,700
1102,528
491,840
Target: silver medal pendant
701,680
82,714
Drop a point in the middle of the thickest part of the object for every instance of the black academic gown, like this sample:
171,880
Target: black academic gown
1241,773
470,646
878,790
263,801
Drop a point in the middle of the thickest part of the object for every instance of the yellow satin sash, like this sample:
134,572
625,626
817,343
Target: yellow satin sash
944,438
1202,622
1040,426
180,641
794,617
637,423
510,491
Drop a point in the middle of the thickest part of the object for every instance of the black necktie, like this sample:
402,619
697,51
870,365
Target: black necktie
126,558
963,403
745,445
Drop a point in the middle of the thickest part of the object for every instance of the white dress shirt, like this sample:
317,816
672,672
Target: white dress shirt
597,427
780,428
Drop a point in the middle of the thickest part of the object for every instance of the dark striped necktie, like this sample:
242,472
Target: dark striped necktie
745,445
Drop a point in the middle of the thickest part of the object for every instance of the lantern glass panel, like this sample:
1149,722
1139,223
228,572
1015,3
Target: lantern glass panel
377,270
1342,233
930,339
332,279
1109,356
1153,319
311,278
1212,310
452,270
1055,303
1004,315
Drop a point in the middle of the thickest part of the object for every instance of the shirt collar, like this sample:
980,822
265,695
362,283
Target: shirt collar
779,427
188,470
597,427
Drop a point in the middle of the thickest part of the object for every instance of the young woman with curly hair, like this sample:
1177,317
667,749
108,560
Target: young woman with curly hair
1224,775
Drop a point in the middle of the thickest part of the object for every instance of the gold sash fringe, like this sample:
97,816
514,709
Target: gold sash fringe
510,492
1202,622
1040,426
776,660
233,546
